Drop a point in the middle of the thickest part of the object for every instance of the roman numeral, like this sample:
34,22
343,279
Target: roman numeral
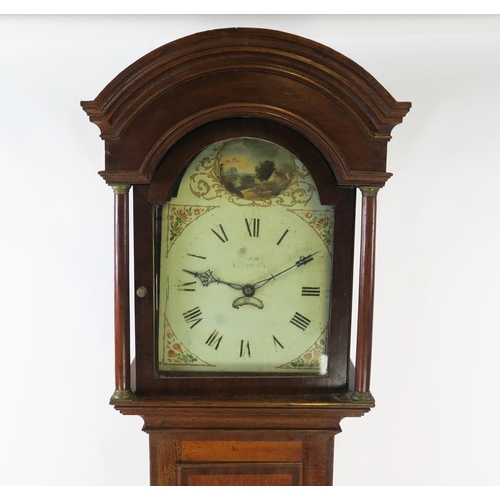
300,321
245,349
253,226
310,291
222,236
282,236
197,256
277,343
193,316
214,340
187,287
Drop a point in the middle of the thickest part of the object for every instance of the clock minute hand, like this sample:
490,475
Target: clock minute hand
301,262
207,277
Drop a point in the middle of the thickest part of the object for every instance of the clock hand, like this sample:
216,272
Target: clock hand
301,262
207,277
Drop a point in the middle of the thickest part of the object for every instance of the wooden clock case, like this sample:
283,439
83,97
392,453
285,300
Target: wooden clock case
154,116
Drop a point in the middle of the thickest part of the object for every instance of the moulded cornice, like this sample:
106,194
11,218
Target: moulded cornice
252,50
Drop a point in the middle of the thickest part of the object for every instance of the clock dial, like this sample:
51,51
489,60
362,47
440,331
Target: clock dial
244,287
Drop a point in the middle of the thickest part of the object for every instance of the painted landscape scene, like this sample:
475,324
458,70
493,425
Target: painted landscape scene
254,169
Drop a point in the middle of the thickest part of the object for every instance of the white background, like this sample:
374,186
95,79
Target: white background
436,330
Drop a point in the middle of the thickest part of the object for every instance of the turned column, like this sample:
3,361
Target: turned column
366,293
122,294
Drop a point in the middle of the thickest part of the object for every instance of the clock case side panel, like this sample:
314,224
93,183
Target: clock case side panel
162,187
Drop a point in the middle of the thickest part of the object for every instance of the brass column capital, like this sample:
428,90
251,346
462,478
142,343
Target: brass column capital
370,190
120,188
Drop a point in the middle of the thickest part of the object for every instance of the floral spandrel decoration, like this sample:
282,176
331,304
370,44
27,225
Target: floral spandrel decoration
179,217
175,353
321,221
310,359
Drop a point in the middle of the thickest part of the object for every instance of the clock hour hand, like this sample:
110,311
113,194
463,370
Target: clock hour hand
301,262
207,277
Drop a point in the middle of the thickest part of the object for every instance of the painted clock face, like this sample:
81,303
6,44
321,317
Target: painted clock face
244,272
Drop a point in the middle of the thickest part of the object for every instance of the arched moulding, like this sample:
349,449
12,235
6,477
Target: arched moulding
206,116
235,72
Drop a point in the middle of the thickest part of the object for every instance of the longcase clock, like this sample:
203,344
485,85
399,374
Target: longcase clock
244,149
